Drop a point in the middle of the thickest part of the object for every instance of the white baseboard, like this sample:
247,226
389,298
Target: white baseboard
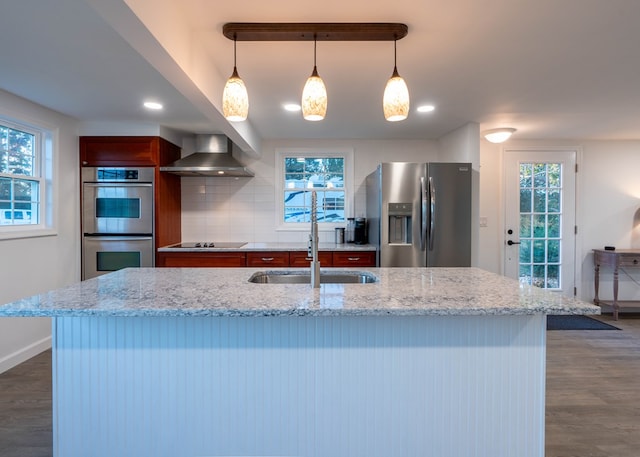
25,353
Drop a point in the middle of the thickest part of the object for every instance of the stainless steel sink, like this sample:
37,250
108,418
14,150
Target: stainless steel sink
304,277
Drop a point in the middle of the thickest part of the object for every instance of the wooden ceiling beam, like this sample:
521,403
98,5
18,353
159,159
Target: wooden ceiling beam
320,31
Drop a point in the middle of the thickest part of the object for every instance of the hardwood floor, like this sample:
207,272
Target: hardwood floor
593,396
593,391
25,409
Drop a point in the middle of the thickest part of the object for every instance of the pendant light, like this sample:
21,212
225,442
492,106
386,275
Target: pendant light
235,99
395,102
314,94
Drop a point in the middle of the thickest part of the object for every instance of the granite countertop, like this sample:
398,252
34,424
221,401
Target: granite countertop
227,292
274,247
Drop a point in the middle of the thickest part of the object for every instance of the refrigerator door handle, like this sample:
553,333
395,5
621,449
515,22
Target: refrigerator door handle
423,213
432,212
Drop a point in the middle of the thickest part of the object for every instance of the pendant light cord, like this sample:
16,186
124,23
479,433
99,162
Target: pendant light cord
395,57
234,50
395,52
315,43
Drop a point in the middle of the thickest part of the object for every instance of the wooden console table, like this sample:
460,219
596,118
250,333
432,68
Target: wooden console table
614,259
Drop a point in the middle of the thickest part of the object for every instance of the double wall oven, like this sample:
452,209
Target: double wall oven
117,219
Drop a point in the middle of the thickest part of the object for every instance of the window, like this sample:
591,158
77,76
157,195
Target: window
326,173
540,224
23,180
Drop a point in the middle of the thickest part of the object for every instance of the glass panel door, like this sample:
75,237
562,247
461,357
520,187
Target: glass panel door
540,218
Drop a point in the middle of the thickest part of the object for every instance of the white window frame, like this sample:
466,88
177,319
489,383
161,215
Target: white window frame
44,167
346,153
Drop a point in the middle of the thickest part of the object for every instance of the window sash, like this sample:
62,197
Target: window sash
332,211
21,210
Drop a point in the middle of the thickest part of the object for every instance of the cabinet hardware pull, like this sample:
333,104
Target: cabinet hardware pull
267,259
353,259
308,259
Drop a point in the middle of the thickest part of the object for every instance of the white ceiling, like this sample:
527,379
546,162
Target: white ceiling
553,69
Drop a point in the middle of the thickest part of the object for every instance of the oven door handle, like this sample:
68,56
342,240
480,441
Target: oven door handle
117,184
99,237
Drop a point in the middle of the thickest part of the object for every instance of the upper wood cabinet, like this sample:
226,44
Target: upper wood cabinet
116,151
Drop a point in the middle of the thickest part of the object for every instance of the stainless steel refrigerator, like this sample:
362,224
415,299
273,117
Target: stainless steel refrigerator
419,214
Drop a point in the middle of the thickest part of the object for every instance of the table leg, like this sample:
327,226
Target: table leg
615,294
596,282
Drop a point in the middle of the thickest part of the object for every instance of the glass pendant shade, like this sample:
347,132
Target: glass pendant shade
314,98
235,99
395,102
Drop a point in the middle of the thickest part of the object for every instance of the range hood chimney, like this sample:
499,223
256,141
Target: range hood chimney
212,158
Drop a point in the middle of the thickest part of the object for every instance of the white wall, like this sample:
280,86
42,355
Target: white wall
491,208
463,145
33,265
609,211
608,207
243,209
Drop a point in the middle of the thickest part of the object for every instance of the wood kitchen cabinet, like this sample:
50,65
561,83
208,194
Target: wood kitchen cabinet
126,151
262,259
354,259
143,151
268,259
201,259
303,259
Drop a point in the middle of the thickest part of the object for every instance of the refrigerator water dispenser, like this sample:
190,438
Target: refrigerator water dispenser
400,223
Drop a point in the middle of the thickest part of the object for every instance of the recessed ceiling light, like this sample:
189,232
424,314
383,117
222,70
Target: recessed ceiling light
425,108
292,107
153,105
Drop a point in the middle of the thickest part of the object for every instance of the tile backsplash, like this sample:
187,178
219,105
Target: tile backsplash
244,209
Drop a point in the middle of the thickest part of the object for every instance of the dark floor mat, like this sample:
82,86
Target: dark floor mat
576,323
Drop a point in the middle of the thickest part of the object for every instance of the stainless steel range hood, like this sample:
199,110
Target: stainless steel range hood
212,158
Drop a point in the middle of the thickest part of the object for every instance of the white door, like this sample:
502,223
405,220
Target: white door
540,229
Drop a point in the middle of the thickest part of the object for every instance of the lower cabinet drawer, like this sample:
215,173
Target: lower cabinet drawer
268,259
354,259
201,259
303,259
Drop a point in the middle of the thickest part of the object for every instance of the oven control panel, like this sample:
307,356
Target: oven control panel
117,174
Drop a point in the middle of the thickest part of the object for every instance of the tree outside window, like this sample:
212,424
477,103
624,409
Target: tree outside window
19,177
325,175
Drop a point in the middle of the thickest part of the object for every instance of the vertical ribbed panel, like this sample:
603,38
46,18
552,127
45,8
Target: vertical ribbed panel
465,386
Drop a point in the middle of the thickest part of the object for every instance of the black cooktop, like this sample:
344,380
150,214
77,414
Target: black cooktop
211,244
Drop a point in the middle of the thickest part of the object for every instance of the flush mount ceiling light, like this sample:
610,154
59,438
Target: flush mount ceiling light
498,135
395,102
235,99
314,96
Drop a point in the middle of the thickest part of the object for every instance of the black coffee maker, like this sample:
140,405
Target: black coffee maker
360,231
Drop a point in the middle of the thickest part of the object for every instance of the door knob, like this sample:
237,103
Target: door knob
512,242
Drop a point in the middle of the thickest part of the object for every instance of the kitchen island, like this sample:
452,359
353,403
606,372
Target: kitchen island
201,362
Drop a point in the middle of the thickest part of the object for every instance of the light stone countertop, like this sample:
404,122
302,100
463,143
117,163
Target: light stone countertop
274,247
227,292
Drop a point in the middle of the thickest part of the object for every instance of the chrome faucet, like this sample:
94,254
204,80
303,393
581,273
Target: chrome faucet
313,243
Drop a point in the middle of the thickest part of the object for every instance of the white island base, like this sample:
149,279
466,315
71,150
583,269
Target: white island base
308,386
